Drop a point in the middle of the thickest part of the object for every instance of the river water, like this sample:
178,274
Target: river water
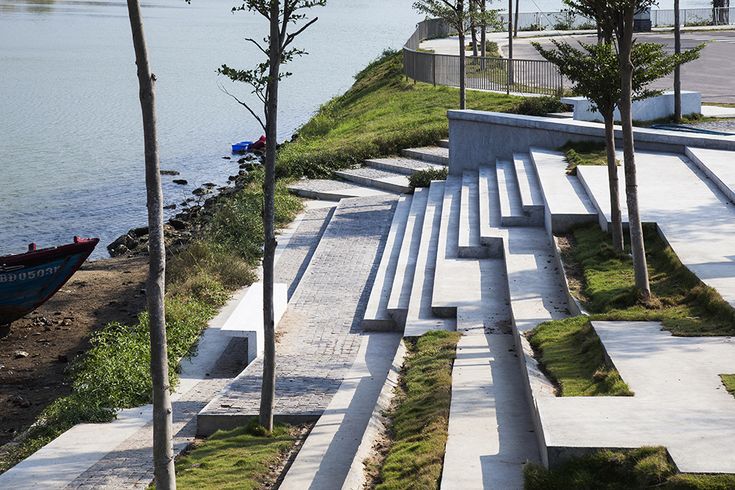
71,150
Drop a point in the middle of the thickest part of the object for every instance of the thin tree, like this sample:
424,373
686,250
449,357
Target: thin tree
619,15
163,453
457,14
677,72
286,20
473,27
595,73
483,28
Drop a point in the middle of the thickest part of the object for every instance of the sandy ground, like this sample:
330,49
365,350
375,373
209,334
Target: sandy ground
35,355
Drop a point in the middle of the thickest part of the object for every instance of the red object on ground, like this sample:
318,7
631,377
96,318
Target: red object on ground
258,145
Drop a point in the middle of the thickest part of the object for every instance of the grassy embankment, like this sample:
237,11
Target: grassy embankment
114,373
420,414
729,381
244,458
380,115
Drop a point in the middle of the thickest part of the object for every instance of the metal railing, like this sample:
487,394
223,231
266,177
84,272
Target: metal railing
565,21
482,73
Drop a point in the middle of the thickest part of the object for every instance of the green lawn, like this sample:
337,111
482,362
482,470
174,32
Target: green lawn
583,153
380,115
572,355
242,459
643,468
681,301
729,381
420,415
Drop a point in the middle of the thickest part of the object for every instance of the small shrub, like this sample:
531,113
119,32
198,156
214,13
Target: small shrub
540,106
423,178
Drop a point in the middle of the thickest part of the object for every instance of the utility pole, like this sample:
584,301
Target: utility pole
515,24
677,70
510,45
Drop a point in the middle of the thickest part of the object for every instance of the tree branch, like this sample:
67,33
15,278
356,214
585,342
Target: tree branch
245,105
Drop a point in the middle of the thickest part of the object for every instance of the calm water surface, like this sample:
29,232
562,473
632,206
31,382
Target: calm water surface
71,150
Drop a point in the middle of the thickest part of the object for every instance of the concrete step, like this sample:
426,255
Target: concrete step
379,179
567,203
431,154
377,316
420,319
718,165
444,143
511,207
405,269
401,165
470,245
491,433
449,272
528,184
489,210
332,190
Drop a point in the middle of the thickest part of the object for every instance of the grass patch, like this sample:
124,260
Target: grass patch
572,355
681,301
241,458
380,115
584,153
646,467
423,178
729,381
115,372
420,414
540,106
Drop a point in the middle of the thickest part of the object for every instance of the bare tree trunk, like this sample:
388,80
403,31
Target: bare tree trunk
625,42
268,389
612,172
677,70
483,29
163,452
515,22
510,45
462,69
473,28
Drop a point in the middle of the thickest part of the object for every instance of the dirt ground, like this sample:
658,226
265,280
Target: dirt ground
35,355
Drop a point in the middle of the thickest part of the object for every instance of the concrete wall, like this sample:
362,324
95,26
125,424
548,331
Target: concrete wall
478,138
658,107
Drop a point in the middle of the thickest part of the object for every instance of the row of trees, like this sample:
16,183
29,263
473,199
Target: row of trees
611,73
286,20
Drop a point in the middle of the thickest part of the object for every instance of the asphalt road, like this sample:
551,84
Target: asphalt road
713,74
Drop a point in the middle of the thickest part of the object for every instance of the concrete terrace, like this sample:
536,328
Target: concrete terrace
474,253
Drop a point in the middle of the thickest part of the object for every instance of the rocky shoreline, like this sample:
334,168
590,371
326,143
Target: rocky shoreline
181,228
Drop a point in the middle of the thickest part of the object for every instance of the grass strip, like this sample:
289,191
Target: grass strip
115,372
583,153
642,468
245,458
573,357
681,301
729,381
380,115
420,414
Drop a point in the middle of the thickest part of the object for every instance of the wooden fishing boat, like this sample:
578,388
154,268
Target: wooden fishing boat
30,279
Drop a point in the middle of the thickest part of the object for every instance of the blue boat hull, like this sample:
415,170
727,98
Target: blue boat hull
29,280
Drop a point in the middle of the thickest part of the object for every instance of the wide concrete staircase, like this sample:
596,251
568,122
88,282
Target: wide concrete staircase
376,176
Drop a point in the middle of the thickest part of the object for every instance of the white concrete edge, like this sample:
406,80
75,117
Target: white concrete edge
690,153
584,128
356,477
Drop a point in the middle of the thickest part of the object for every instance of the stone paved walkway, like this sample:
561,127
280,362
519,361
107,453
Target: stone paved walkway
129,464
319,336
